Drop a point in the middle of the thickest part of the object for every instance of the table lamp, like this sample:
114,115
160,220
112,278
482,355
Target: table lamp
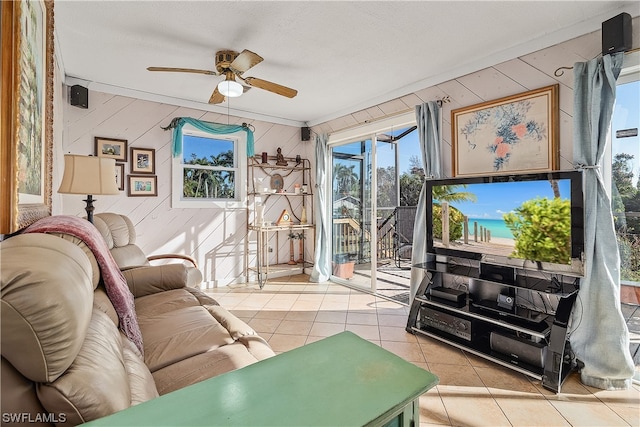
88,175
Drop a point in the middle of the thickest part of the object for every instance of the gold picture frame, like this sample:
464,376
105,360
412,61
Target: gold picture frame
26,139
514,134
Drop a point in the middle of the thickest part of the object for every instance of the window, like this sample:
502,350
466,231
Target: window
210,172
625,174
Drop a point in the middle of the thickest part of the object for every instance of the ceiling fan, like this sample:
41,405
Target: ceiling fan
232,64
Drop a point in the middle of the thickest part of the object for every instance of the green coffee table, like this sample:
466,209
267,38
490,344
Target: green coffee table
342,380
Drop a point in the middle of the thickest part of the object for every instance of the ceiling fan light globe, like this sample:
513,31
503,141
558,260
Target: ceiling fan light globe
230,88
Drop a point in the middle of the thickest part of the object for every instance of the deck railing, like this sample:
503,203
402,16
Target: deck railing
346,236
351,239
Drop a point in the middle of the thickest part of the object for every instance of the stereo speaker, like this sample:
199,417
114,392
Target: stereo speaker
79,96
519,349
305,133
616,34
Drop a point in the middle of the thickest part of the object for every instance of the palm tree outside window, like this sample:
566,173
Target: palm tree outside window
208,171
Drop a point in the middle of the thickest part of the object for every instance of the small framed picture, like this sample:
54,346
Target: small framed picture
143,160
142,185
120,176
111,148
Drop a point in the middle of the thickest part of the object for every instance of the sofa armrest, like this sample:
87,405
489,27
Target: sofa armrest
173,256
153,279
237,328
195,275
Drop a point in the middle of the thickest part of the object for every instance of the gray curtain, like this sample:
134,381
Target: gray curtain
322,259
600,338
428,121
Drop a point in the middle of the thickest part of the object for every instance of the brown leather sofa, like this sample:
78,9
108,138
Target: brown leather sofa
64,360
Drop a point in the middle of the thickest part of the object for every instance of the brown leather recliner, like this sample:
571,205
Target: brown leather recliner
120,234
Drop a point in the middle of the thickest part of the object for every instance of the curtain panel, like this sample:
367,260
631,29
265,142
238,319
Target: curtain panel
600,338
428,121
322,258
209,127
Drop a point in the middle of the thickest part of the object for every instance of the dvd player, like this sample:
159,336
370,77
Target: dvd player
516,312
518,349
455,296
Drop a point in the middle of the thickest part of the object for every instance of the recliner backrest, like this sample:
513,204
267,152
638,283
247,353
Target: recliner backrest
120,235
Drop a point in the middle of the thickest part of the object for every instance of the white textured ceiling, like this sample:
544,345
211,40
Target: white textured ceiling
340,56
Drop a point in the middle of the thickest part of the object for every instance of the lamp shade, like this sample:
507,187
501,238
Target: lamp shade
230,88
88,175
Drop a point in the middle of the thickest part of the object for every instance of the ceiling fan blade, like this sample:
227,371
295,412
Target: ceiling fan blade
271,87
183,70
245,60
216,97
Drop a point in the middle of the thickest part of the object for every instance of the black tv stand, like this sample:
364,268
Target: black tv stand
512,317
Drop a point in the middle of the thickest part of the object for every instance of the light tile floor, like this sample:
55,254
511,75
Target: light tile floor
291,312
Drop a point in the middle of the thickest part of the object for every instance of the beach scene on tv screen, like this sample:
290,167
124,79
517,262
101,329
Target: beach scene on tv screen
524,219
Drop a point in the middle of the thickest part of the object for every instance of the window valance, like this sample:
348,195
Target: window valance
215,128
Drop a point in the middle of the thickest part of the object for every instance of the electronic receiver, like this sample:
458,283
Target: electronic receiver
446,322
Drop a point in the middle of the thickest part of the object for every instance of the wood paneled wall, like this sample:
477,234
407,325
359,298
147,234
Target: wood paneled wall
217,238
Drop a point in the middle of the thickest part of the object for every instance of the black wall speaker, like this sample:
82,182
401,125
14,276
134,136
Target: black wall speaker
616,34
79,96
305,133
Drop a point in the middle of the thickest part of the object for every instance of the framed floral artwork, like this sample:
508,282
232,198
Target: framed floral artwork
26,139
111,148
515,134
142,185
143,160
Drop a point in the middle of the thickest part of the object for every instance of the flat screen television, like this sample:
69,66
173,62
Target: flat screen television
529,221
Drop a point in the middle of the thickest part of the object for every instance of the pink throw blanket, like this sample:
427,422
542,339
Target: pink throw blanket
114,282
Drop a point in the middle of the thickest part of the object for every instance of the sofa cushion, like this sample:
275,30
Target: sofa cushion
163,302
176,335
100,380
203,366
17,397
102,302
257,346
141,383
47,296
203,298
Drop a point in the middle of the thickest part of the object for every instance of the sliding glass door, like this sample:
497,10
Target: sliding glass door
352,209
375,183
